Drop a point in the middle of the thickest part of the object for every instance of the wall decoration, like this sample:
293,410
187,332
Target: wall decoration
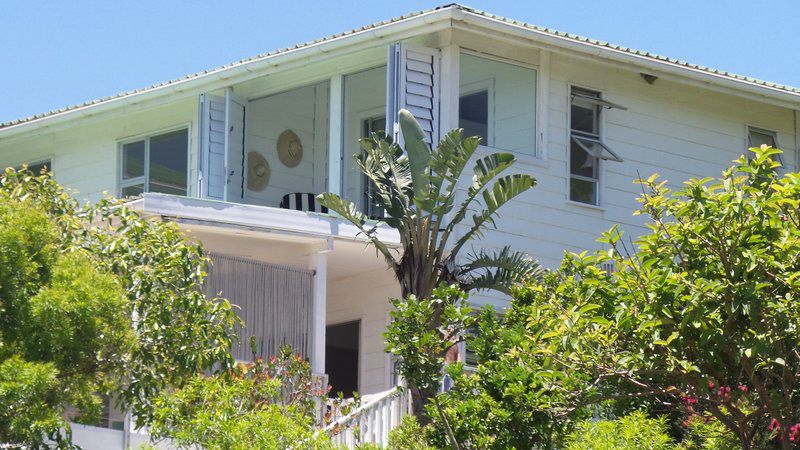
290,149
257,172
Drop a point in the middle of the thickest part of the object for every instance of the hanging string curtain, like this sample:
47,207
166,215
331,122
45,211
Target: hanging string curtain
274,301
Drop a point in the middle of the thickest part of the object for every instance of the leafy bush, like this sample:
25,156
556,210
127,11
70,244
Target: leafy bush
267,405
409,435
635,431
709,434
72,278
65,326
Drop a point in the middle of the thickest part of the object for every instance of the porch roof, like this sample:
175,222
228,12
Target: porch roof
288,222
422,21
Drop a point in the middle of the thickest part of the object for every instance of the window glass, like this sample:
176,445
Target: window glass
581,162
133,160
373,209
168,163
497,101
584,191
473,115
37,168
584,117
761,137
132,191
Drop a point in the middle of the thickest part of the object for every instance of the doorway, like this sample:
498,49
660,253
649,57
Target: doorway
341,357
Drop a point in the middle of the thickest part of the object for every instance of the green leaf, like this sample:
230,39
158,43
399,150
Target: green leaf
419,153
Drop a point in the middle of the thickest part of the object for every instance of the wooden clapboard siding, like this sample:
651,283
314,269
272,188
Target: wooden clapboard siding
267,118
675,130
512,100
86,157
274,302
365,297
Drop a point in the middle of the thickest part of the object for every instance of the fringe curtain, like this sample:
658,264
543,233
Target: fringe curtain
275,302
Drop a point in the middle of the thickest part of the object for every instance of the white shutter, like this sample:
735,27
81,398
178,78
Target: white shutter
234,146
413,84
213,158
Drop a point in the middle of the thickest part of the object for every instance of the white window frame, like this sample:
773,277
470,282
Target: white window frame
144,180
538,156
600,180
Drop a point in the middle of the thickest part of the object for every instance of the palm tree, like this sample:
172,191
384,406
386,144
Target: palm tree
425,200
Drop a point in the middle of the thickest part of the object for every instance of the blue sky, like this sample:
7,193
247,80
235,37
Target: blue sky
57,53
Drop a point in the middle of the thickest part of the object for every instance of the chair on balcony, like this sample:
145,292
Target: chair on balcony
302,202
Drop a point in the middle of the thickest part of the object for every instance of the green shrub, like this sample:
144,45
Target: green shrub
708,434
409,435
635,431
265,405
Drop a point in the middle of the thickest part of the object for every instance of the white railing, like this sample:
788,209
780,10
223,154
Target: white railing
372,421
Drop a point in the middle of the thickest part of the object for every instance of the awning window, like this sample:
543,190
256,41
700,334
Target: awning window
577,94
595,147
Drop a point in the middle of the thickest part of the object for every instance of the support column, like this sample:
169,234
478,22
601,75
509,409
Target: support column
335,134
542,103
449,82
319,262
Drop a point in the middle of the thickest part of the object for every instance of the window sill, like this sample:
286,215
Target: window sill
585,205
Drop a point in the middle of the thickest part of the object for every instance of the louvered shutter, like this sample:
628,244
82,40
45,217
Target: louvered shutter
212,147
413,84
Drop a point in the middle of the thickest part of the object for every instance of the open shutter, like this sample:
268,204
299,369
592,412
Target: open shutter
413,84
213,158
234,146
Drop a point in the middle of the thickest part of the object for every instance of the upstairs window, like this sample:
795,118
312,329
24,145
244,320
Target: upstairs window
473,114
373,209
586,146
156,163
756,137
497,101
38,167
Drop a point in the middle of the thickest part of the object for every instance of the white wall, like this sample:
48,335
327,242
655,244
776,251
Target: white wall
292,110
86,157
512,100
675,130
365,297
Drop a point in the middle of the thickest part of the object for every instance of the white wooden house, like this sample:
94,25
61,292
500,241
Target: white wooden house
583,117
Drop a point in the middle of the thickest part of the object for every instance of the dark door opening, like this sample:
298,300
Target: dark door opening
341,357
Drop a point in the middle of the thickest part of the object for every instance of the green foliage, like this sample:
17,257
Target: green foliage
700,317
506,403
702,310
419,190
31,403
105,300
259,405
421,350
633,432
704,434
65,326
409,435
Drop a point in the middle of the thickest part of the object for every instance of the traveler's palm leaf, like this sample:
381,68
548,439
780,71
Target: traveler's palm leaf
499,270
418,189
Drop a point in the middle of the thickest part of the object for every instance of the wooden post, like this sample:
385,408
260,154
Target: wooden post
319,263
335,134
